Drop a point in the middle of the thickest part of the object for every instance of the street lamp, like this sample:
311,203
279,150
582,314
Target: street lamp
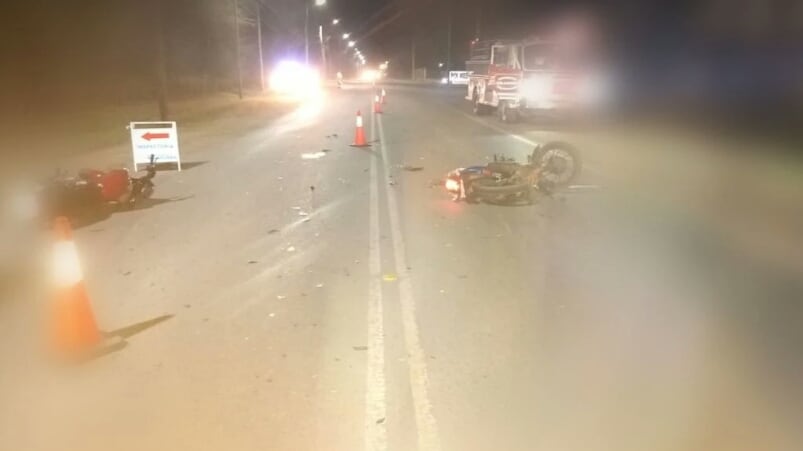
352,43
440,64
335,21
318,3
346,36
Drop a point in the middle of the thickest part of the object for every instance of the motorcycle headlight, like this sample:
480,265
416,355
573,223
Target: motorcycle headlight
535,88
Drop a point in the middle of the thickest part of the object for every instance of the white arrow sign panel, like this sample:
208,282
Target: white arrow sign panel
159,139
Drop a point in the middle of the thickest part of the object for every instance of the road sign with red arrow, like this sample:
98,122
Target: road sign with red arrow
159,139
149,136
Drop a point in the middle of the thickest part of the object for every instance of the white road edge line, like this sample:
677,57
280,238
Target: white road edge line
375,404
428,438
584,187
529,142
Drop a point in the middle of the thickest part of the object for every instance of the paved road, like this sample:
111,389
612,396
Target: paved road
343,303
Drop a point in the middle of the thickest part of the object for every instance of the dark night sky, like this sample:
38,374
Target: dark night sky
102,49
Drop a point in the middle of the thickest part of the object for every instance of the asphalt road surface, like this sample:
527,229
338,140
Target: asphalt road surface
272,300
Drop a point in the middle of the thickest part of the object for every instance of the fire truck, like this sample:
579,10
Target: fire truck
516,78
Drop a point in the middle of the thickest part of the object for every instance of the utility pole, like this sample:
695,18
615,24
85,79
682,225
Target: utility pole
323,52
306,33
412,58
236,5
259,46
478,21
161,64
449,40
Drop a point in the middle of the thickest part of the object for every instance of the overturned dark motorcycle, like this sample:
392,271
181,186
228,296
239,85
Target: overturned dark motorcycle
550,166
94,194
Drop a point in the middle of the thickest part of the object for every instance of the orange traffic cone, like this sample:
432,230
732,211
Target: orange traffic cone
377,105
359,135
383,96
73,329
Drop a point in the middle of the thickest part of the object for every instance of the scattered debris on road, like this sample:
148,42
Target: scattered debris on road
326,150
291,249
380,421
360,348
389,277
303,213
312,156
272,231
320,285
280,297
409,168
252,262
296,208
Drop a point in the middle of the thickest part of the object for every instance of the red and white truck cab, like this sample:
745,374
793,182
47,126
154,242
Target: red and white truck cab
494,74
520,77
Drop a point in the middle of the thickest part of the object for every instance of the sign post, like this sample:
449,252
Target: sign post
159,139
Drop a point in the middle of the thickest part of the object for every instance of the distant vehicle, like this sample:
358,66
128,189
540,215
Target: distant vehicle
515,78
295,81
458,77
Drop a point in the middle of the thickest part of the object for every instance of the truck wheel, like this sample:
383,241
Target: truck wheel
506,113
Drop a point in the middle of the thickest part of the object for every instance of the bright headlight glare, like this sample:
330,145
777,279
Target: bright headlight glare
595,90
535,88
294,79
369,75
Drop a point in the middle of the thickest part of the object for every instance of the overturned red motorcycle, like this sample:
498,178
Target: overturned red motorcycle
94,194
550,166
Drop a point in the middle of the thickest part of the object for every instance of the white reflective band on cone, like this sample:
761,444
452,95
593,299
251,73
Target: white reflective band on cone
66,266
359,121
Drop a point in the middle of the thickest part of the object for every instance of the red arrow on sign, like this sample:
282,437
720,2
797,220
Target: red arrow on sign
149,136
